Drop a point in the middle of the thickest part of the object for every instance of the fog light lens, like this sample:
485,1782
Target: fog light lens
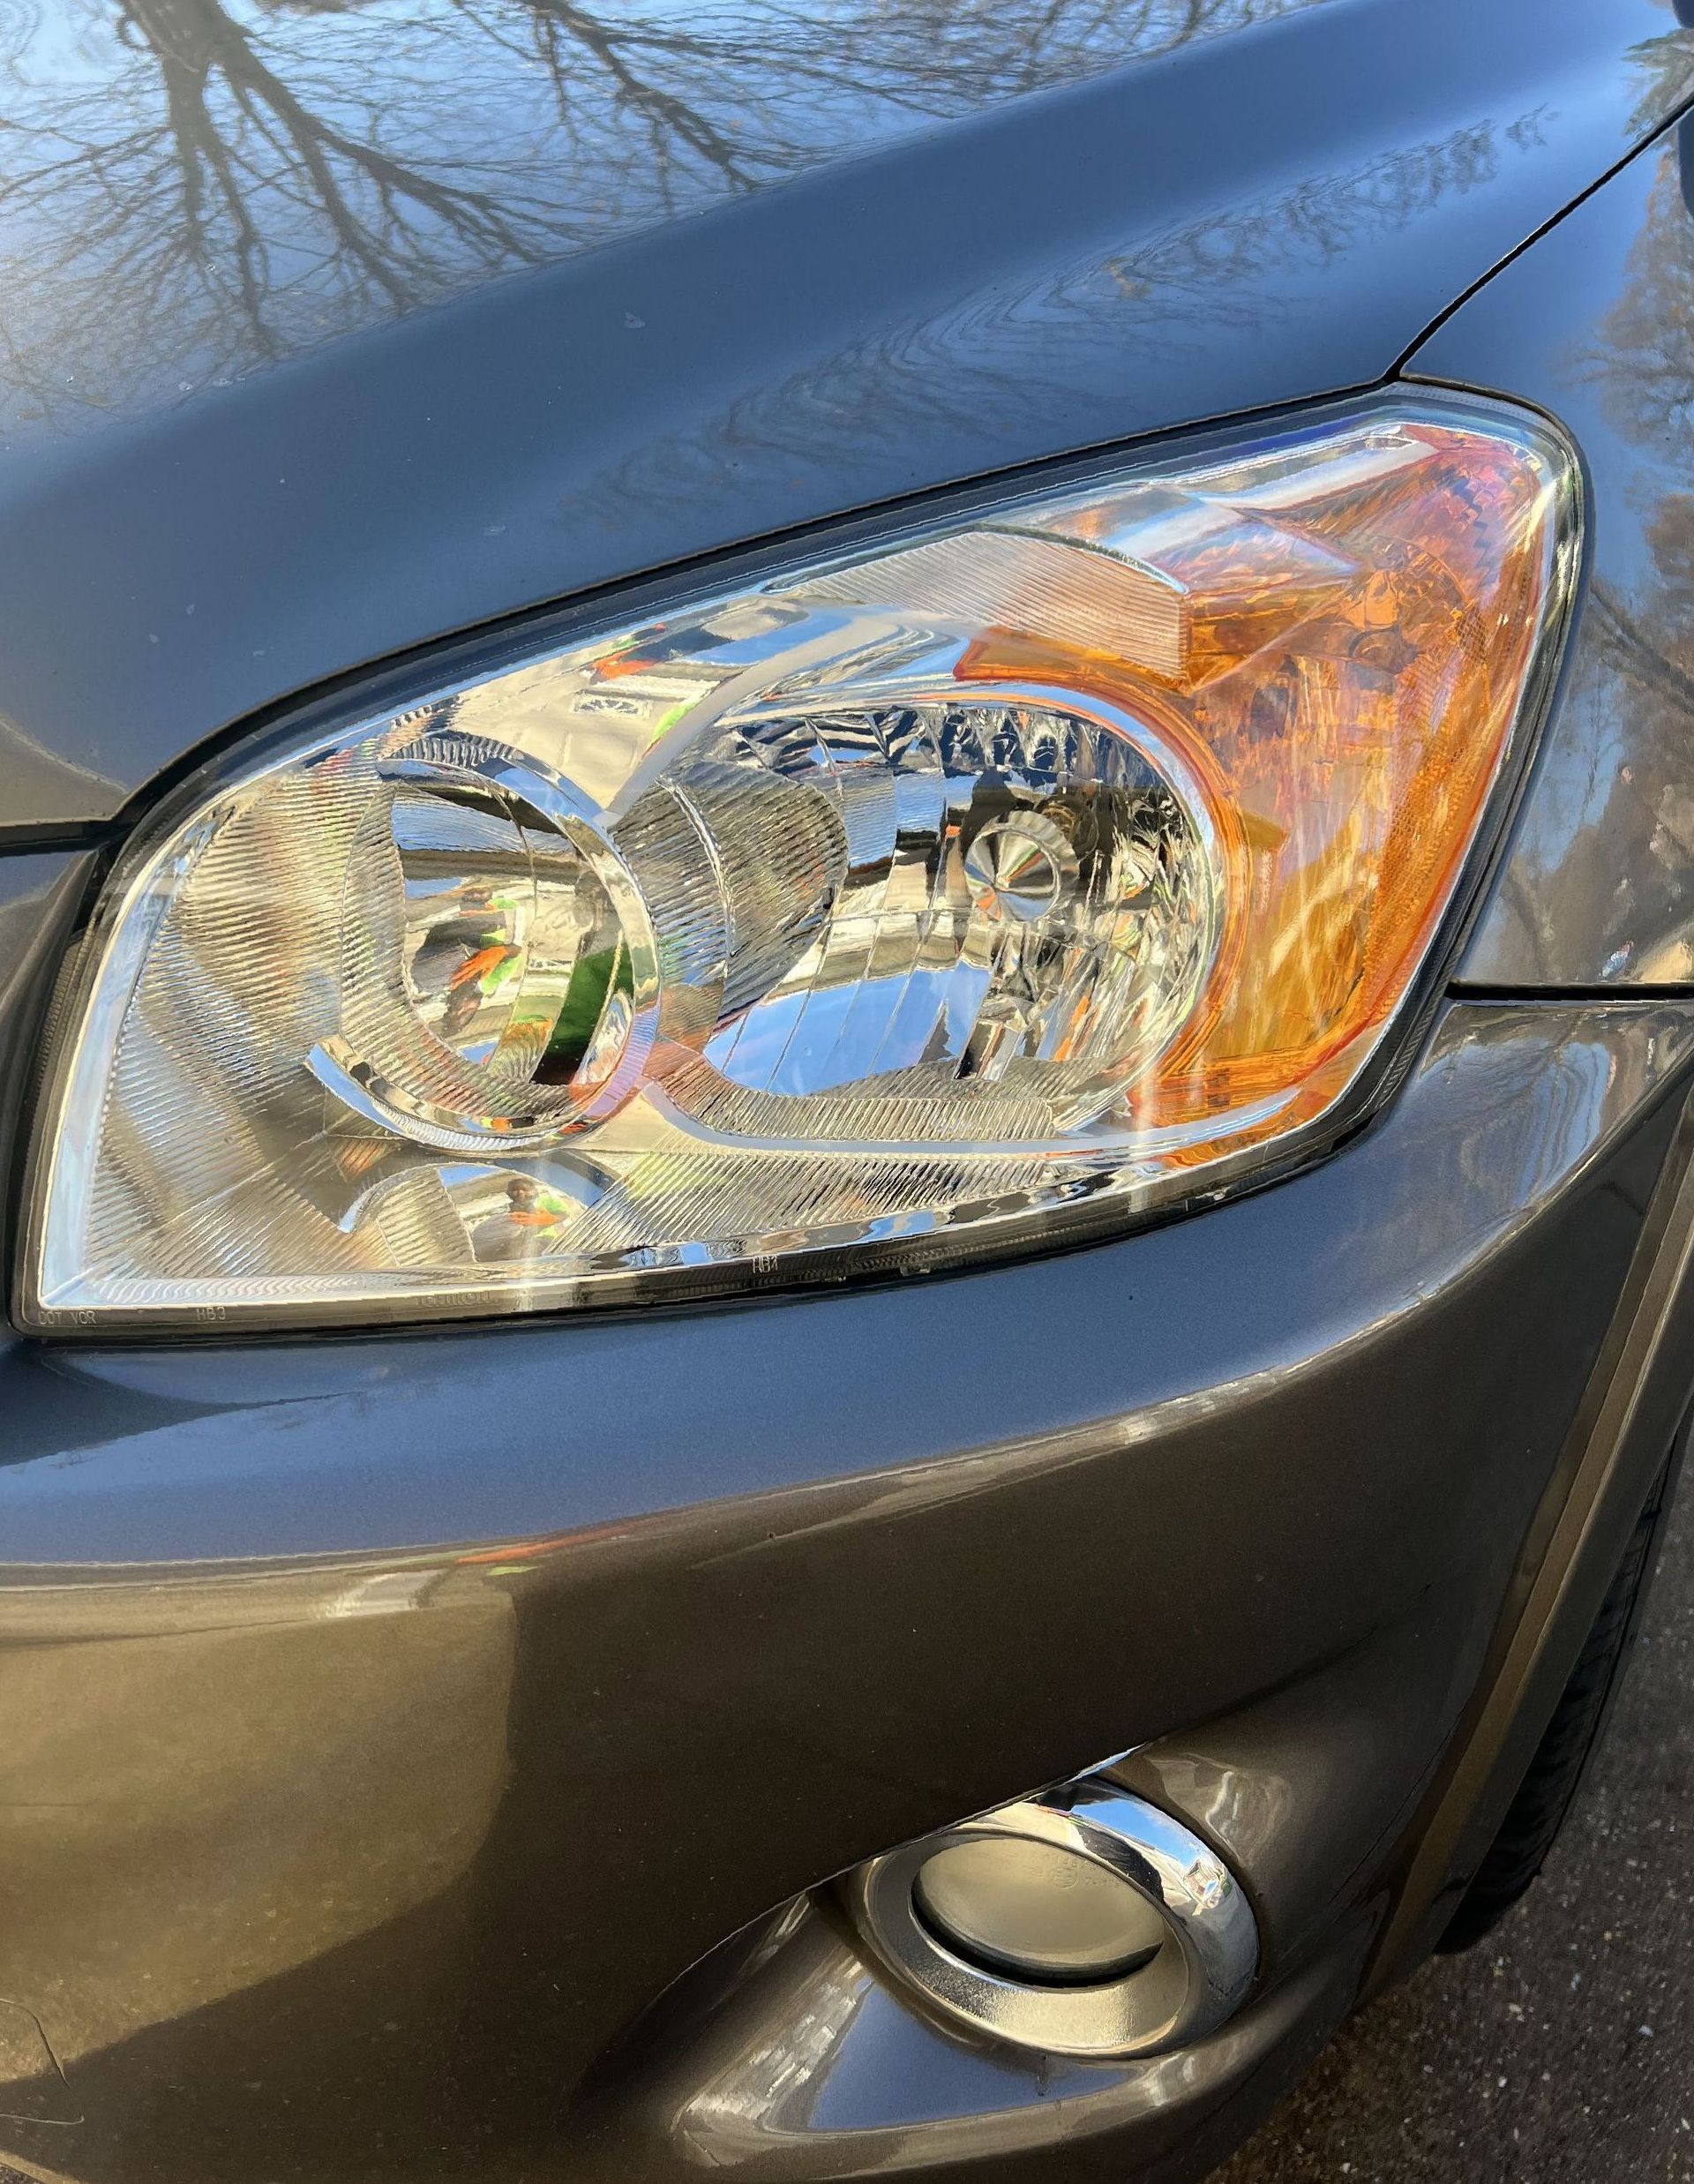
1085,1921
1037,1910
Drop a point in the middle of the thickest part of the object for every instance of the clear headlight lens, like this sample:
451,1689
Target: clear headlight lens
1027,872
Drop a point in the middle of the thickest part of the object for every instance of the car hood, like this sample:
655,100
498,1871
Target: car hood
333,327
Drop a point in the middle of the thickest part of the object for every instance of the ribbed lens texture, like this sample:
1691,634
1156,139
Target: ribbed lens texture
1030,870
960,925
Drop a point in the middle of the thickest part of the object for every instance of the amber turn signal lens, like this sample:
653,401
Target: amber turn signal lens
1352,641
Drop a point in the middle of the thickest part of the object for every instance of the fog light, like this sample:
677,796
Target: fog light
1037,1910
1082,1922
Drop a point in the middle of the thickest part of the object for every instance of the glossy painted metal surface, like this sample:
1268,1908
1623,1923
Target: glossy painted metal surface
39,897
270,416
26,886
305,1828
881,2091
1596,323
409,1746
1633,1423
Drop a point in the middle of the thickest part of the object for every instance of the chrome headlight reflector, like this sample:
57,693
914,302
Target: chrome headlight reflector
1017,876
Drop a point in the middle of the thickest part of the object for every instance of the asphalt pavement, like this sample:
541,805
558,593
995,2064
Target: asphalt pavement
1561,2050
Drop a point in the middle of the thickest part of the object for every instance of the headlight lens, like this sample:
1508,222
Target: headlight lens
1028,872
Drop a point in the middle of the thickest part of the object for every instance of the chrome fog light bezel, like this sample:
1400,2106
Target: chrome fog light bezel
1200,1976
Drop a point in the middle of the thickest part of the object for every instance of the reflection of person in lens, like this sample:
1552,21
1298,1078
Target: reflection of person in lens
457,926
535,1206
480,966
535,1212
475,922
516,1229
476,981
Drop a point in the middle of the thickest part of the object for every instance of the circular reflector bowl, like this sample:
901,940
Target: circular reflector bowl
1085,1922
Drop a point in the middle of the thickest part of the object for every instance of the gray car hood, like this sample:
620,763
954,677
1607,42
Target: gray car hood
330,328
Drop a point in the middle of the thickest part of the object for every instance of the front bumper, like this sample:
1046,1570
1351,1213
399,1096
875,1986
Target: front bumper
389,1723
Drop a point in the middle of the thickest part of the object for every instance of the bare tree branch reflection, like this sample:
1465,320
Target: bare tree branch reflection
205,183
195,43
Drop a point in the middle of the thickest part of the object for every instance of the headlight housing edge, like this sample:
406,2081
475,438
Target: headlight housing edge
1067,920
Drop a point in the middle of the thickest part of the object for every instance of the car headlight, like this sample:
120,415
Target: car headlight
1007,880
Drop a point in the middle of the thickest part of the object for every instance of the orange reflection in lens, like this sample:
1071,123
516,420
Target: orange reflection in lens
1359,638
